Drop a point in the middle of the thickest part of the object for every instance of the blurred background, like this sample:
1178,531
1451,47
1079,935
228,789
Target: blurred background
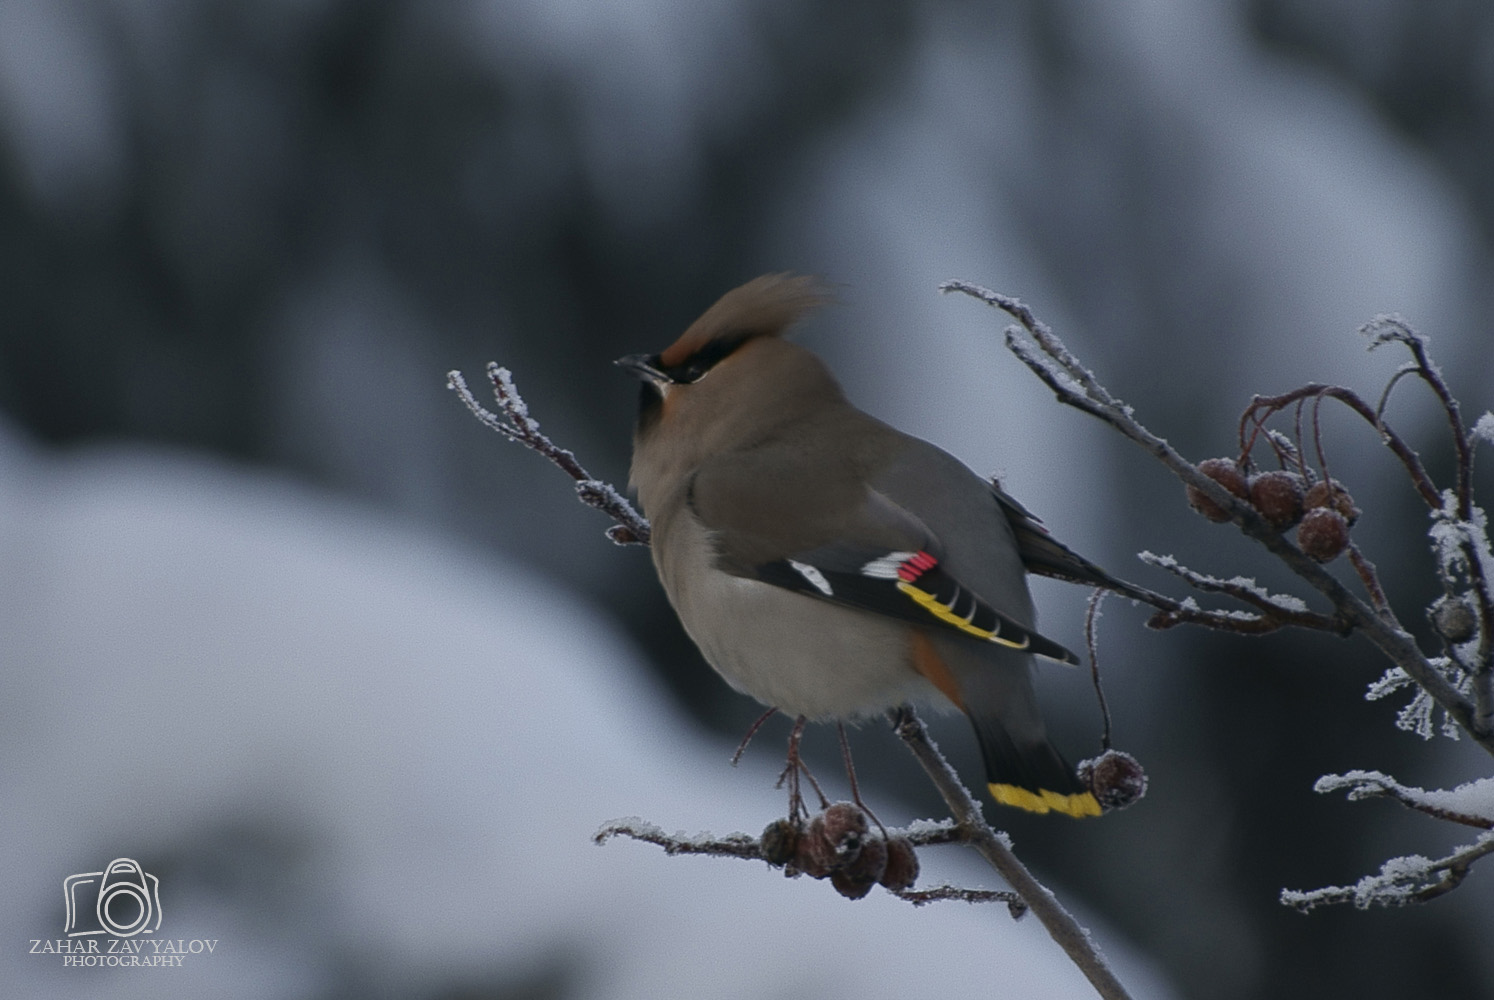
259,234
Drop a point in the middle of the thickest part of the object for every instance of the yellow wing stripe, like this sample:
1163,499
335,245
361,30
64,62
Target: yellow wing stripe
946,614
1042,801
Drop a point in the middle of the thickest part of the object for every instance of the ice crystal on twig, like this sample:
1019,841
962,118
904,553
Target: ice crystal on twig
521,428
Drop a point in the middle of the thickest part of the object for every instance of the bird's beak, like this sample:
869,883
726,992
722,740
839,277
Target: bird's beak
641,366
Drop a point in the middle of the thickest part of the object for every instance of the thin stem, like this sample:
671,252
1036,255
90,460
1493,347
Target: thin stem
1091,617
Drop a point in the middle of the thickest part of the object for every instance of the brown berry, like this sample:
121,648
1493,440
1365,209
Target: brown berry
1454,619
1331,493
845,830
1278,497
780,842
1115,777
856,879
902,864
1323,534
814,855
1226,473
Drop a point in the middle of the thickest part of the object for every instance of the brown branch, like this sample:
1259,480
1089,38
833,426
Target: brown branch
1317,391
1371,580
1091,620
1385,329
1061,926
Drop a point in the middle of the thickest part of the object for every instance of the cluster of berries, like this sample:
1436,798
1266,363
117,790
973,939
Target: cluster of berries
1322,512
840,845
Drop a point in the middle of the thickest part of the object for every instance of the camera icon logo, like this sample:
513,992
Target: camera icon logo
122,900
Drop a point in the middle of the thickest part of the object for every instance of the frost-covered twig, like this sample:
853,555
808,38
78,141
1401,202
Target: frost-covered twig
1388,329
1477,567
939,893
1266,505
1063,928
631,528
1075,385
1471,804
1411,879
1276,610
734,845
769,848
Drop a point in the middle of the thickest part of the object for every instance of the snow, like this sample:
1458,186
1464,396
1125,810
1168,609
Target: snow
1450,534
1474,799
1398,882
513,404
1285,602
368,761
1483,428
1393,680
1416,717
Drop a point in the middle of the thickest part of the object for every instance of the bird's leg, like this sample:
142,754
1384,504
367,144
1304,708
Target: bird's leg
845,754
792,767
751,732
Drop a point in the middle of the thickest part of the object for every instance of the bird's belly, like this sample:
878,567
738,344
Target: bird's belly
798,654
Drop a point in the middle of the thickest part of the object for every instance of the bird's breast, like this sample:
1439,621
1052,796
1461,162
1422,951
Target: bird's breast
796,653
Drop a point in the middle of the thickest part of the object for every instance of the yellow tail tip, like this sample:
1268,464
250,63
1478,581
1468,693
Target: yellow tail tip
1042,801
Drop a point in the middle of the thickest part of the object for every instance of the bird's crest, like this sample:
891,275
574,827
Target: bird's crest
764,307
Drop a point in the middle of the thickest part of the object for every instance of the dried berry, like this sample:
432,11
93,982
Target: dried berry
1331,494
1278,497
845,829
1323,534
902,864
1454,619
814,855
1115,777
1226,473
780,842
857,877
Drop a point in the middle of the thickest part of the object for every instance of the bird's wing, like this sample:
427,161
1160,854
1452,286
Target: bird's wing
817,529
1044,555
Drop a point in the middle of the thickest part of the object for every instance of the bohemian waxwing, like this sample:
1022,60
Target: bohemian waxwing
829,565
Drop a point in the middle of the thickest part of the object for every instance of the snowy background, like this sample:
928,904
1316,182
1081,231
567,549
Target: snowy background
281,619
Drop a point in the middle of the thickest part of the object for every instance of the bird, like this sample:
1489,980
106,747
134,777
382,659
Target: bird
831,566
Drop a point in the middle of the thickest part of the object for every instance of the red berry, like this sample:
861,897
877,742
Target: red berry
814,856
1226,472
902,864
856,879
1323,534
780,842
1278,497
1331,493
1115,777
845,830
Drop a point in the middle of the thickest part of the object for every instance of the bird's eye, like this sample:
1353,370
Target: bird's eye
705,359
696,370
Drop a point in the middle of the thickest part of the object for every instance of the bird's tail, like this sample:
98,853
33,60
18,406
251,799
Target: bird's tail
1031,775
